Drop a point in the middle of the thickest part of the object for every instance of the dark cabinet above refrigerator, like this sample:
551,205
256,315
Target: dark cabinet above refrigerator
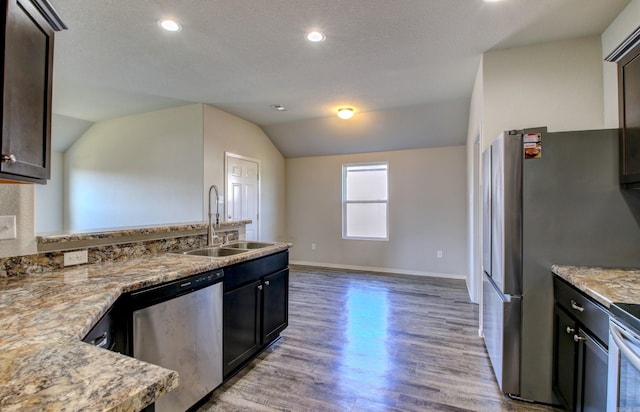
26,86
627,56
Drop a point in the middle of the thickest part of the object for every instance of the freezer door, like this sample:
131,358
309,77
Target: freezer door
486,210
501,323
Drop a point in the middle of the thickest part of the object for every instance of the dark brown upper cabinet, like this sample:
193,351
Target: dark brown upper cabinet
627,56
27,66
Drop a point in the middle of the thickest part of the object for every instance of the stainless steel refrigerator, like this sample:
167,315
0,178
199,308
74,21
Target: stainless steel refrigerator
549,198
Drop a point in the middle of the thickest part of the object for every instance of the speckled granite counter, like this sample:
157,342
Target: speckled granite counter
43,363
605,285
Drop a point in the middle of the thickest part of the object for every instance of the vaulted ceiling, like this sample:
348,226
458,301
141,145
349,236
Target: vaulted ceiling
406,66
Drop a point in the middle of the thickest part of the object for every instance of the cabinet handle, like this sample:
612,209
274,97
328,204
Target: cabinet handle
577,338
266,283
570,330
576,306
101,341
259,287
11,159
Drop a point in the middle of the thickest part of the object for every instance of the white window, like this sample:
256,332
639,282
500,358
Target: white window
365,201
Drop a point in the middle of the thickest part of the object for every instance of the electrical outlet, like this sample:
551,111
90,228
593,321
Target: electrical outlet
76,258
8,227
439,254
313,246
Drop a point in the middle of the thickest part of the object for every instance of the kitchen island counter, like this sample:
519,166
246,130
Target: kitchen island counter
605,285
44,365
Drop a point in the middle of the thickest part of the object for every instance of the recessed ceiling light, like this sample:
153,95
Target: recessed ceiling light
315,36
279,107
492,1
170,25
345,113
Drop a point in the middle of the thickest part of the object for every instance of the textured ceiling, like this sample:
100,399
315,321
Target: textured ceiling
395,61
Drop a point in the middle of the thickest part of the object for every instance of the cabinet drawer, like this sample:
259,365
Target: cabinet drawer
247,272
591,314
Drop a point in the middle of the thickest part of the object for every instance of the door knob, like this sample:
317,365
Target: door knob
577,338
570,330
266,283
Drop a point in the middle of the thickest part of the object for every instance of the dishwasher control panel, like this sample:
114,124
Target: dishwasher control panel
155,294
204,278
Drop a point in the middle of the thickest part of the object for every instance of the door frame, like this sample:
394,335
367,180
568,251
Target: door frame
229,155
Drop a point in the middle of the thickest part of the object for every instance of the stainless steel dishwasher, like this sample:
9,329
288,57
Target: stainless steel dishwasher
178,326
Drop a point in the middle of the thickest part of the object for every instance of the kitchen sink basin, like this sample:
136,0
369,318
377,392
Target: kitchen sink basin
247,245
215,252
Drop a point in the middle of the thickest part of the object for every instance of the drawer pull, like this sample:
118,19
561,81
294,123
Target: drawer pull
11,159
101,341
570,330
576,306
577,338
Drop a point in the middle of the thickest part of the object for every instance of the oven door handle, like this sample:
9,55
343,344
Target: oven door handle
617,335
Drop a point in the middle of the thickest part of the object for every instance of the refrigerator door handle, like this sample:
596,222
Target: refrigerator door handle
504,297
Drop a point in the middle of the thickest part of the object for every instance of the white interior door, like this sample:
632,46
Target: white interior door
243,188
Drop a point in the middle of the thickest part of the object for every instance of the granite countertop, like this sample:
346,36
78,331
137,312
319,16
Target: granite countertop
44,365
607,286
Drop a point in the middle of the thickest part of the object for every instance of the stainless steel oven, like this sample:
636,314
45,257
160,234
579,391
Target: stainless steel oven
623,390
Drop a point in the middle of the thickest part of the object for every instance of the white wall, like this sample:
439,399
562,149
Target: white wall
18,200
50,198
558,85
144,169
474,228
626,22
224,132
427,209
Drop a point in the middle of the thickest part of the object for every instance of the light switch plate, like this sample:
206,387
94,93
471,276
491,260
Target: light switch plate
8,227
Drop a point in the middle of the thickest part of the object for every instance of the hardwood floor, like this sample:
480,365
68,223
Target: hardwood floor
368,342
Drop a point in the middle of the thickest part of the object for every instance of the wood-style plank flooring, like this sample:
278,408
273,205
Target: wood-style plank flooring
367,342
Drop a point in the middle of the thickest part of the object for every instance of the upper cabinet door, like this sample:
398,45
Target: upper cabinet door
627,56
27,90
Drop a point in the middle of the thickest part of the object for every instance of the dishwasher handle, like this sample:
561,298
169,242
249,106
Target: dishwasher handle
619,335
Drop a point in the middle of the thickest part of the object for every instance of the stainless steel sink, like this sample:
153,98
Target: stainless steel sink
247,245
214,252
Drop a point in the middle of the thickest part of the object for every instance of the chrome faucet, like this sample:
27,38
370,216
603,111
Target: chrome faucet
212,233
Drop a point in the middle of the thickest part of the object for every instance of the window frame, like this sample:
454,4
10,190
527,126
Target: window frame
345,202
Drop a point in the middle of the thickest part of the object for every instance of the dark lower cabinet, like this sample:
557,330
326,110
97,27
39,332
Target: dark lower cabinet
580,355
256,308
592,366
565,357
241,325
275,303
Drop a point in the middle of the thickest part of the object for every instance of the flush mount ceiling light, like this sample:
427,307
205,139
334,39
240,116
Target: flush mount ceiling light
345,113
315,36
279,107
169,25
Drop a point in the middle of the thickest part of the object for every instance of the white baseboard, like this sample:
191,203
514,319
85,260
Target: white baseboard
377,269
